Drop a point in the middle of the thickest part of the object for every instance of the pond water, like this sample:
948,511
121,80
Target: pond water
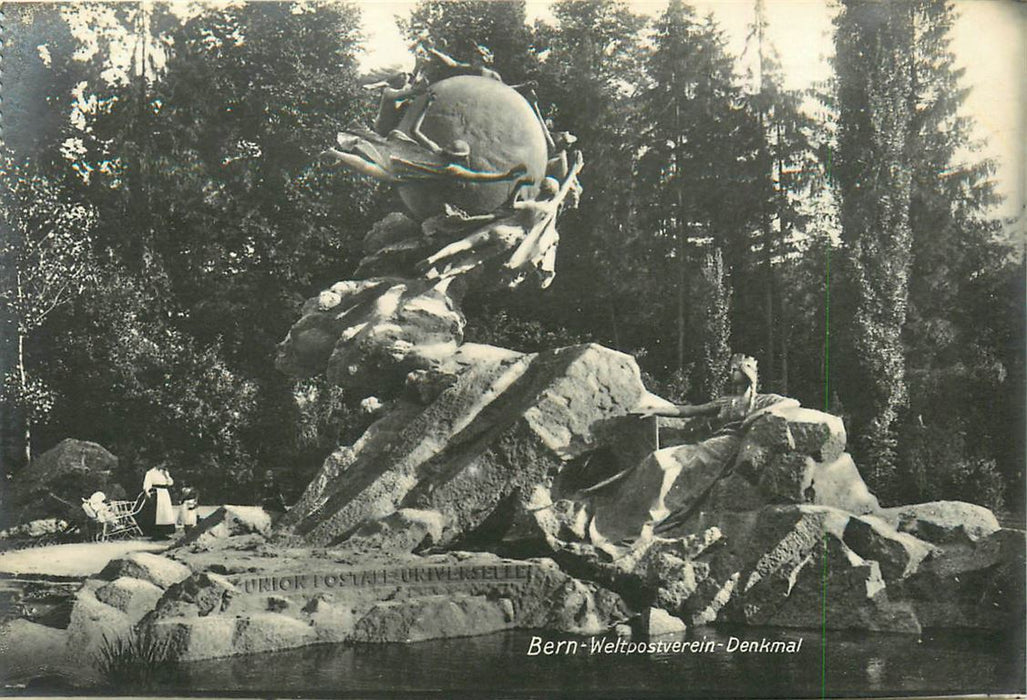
855,664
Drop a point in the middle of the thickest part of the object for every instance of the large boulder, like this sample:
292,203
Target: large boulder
94,624
898,554
394,245
981,586
433,617
797,455
199,595
406,530
765,567
34,528
656,622
944,522
786,556
158,570
60,476
196,638
369,335
229,521
655,572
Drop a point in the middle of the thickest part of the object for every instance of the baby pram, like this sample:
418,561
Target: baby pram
113,519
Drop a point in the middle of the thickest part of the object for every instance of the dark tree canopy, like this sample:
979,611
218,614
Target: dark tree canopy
853,250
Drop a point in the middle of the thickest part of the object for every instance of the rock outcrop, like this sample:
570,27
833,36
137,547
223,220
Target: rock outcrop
979,586
506,424
542,455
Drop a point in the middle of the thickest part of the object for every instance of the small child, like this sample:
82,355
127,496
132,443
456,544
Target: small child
187,509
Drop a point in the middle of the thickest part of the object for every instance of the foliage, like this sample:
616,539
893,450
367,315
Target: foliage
45,247
936,466
498,327
458,28
44,255
155,392
589,72
695,136
790,200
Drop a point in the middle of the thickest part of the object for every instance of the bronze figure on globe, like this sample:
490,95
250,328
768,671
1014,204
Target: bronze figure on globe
482,181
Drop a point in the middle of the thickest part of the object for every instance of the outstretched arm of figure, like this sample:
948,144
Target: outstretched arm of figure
446,59
680,410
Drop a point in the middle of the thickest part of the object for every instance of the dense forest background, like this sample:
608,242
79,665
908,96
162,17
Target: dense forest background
165,217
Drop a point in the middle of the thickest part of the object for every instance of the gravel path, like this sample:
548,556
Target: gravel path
82,559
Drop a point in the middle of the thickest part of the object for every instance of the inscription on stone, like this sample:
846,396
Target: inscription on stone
503,573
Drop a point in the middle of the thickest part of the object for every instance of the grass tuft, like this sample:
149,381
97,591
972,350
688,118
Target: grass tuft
139,661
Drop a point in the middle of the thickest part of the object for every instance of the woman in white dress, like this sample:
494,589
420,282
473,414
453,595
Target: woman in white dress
159,514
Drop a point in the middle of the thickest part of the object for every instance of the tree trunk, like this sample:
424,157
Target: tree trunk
768,299
27,434
682,279
682,275
23,378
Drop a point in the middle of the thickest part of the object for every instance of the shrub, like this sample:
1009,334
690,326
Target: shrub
936,464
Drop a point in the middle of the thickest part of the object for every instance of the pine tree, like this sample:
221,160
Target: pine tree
698,170
956,345
589,71
951,195
789,175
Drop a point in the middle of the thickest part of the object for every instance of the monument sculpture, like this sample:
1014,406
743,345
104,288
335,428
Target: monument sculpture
496,489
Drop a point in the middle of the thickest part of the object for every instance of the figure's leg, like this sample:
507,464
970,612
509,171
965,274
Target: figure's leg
462,173
459,148
388,116
415,129
542,122
557,166
475,240
471,251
